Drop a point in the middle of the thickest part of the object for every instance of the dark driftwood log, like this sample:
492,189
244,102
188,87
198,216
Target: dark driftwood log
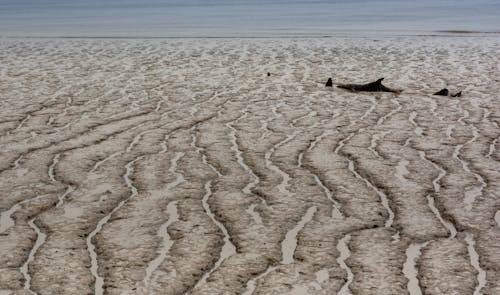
442,92
329,83
458,94
372,87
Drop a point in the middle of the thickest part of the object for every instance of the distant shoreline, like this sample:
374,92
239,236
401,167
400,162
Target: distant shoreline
437,33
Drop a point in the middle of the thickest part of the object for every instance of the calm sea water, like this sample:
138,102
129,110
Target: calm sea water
243,17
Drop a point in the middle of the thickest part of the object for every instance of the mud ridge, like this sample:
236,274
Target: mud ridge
343,248
172,217
228,249
431,199
91,246
475,262
40,239
382,195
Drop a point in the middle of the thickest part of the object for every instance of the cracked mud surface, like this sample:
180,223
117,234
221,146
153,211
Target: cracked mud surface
179,167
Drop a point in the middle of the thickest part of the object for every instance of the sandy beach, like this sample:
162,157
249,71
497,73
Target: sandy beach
178,166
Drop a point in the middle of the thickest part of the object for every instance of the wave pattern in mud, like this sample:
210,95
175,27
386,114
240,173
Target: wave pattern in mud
181,167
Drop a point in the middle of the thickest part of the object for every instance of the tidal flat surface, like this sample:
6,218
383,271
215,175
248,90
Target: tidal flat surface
180,167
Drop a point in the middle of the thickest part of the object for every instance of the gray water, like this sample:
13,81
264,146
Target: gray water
243,18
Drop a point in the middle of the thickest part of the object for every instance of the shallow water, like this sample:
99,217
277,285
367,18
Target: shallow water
243,18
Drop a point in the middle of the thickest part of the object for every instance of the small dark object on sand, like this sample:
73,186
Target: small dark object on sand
458,94
442,92
372,87
268,74
329,83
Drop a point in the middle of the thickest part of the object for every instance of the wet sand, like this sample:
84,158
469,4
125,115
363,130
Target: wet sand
179,167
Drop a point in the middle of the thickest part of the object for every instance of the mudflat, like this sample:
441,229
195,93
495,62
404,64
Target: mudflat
179,166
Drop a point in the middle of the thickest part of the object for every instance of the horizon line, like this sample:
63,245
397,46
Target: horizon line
440,33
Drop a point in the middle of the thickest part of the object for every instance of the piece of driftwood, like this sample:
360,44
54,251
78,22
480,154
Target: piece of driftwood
442,92
458,94
371,87
329,83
